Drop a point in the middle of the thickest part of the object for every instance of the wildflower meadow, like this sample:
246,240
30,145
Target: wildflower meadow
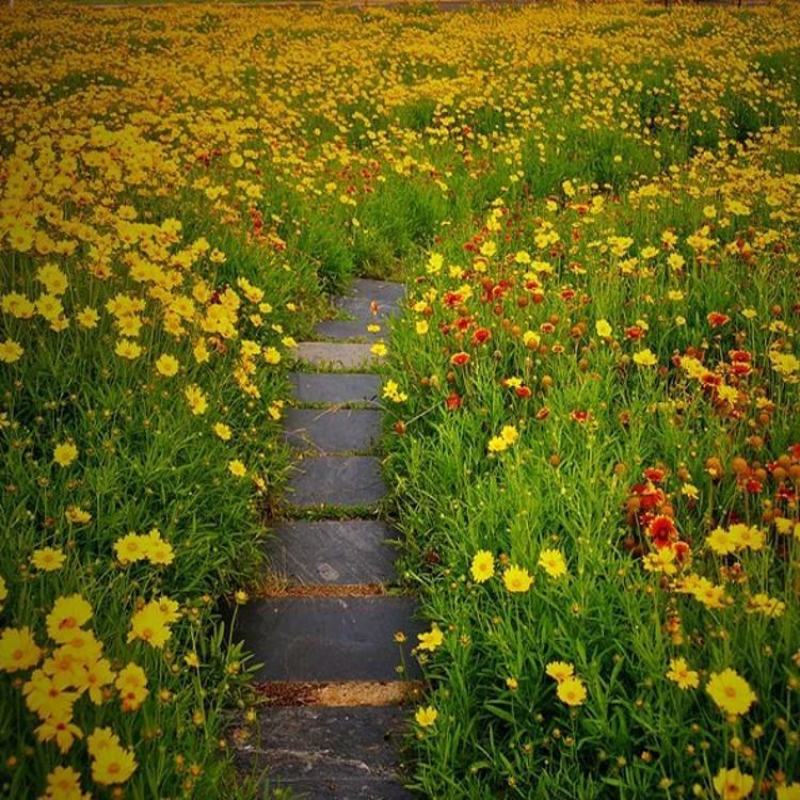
590,392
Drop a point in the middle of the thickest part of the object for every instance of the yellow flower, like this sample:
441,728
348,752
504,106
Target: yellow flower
509,434
61,730
10,351
167,365
237,468
198,404
69,613
379,349
426,716
77,516
430,640
602,328
127,348
517,579
87,317
65,453
421,327
730,692
151,623
789,792
730,784
571,691
553,563
157,550
482,567
48,559
131,684
680,674
645,358
113,764
18,649
497,444
223,431
130,548
559,670
54,280
64,783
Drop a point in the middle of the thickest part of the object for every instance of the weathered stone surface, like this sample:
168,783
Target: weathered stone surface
365,312
336,355
348,329
335,388
333,551
332,430
329,638
336,753
337,481
388,292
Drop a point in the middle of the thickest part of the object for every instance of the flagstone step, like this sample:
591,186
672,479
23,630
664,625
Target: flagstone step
349,329
343,481
329,638
387,292
341,552
335,388
337,355
332,430
329,753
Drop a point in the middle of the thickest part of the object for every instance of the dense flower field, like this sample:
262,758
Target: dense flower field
594,390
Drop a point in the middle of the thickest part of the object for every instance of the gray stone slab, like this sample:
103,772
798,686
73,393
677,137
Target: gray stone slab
344,388
336,355
326,430
333,551
349,329
337,753
364,312
329,638
389,292
336,481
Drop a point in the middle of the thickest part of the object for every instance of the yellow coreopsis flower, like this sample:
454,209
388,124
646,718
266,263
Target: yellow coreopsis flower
731,692
517,579
731,784
430,640
426,716
65,453
553,563
482,567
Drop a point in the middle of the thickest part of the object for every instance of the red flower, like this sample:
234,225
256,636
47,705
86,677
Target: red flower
634,332
453,402
717,319
662,531
481,336
459,359
523,392
654,474
580,416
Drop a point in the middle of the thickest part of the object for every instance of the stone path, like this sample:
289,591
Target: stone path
325,635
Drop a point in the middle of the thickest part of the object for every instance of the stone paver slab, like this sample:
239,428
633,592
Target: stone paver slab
336,481
343,388
332,430
333,551
336,355
329,638
339,753
389,292
348,329
365,312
